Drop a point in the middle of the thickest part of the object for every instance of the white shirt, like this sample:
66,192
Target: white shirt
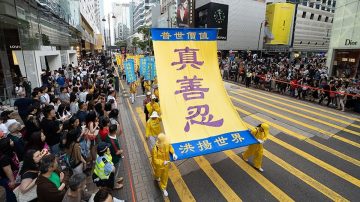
82,96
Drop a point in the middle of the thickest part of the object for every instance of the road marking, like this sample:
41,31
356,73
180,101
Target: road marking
266,97
305,178
174,174
305,105
166,199
300,123
317,161
299,114
260,179
303,138
217,180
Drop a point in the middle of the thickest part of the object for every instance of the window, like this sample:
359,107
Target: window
326,19
319,18
317,6
312,16
323,8
324,1
332,20
304,14
311,5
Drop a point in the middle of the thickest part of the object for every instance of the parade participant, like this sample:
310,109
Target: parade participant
133,89
147,85
153,105
156,93
161,160
145,102
261,133
153,128
104,170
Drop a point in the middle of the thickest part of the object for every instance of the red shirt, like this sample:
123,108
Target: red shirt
103,133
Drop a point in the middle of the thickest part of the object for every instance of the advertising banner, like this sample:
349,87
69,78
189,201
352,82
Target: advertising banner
130,70
279,21
213,15
185,13
198,115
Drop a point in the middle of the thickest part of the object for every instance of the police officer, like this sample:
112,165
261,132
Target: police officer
104,171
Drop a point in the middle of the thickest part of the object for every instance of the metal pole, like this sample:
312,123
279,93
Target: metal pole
259,36
109,34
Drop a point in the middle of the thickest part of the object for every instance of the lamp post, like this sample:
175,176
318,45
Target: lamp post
258,45
104,20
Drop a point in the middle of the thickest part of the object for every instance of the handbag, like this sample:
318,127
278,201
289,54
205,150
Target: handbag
27,196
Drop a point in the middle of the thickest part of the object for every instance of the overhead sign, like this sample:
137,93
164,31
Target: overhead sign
189,80
279,21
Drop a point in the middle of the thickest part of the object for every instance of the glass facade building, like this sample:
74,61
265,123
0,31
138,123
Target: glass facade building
31,33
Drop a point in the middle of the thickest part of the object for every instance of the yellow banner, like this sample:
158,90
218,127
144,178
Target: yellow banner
197,113
280,19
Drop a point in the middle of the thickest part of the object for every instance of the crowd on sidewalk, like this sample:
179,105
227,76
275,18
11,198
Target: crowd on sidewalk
61,134
302,78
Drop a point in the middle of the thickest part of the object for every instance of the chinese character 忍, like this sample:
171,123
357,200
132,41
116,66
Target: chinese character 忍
187,56
191,88
237,138
165,35
206,118
179,35
191,35
221,141
203,35
186,148
204,145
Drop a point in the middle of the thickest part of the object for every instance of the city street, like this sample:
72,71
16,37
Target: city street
312,154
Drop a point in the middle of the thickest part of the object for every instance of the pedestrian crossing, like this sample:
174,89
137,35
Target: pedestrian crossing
297,166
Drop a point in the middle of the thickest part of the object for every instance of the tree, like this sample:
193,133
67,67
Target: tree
147,42
135,42
120,43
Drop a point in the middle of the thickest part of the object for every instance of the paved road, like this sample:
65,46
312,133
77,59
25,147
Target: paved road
312,155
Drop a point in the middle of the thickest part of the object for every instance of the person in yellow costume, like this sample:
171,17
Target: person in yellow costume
161,161
133,90
153,105
261,133
156,93
153,128
147,85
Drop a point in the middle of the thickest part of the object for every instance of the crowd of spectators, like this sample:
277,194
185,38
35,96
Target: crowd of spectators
302,78
61,133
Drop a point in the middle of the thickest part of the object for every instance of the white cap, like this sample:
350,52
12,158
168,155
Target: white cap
154,115
148,93
153,96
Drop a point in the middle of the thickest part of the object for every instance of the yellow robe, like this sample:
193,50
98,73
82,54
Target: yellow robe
256,150
159,155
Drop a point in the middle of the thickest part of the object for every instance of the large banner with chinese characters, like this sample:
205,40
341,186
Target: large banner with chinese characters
130,70
197,113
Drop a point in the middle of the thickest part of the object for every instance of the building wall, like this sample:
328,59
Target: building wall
312,29
346,26
244,19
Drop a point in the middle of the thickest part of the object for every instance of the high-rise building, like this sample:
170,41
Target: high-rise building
139,12
121,22
313,23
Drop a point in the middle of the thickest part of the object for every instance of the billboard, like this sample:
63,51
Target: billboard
279,21
213,15
185,13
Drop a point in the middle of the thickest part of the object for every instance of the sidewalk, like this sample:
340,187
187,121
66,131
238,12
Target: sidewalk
139,184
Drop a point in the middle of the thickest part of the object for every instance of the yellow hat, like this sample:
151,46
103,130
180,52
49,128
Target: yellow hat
161,139
265,126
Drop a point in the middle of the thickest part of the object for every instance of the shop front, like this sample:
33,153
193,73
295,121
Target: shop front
344,50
